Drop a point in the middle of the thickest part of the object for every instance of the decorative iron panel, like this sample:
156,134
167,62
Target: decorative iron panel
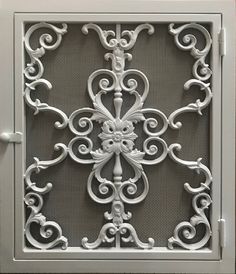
133,133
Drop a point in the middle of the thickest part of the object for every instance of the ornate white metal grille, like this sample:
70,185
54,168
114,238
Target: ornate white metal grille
118,137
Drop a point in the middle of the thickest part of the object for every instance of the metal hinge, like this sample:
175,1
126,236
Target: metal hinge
222,42
222,232
8,137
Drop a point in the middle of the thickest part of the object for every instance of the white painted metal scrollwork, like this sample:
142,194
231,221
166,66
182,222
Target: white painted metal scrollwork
194,165
38,106
34,70
117,137
34,200
188,230
201,70
192,107
201,200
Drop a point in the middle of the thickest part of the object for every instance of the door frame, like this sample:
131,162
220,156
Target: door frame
12,261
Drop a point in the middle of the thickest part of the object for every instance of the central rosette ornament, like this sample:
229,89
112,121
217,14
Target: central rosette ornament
117,136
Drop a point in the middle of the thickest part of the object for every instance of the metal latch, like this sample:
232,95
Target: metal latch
8,137
222,232
222,42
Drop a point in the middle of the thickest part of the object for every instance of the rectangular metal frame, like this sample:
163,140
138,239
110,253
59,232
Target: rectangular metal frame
13,256
78,252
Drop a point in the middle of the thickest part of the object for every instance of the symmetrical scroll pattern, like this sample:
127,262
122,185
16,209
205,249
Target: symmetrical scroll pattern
118,137
33,199
201,199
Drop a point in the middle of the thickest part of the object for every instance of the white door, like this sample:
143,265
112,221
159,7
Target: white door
120,157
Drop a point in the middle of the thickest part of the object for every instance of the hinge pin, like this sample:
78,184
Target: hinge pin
222,42
222,232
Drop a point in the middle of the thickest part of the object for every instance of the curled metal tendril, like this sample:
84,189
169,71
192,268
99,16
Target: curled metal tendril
193,165
200,203
34,70
189,43
38,106
38,165
198,106
47,229
34,202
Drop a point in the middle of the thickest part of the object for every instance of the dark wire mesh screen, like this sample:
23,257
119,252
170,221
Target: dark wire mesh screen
68,69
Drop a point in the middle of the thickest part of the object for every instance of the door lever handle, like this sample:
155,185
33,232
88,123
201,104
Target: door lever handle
8,137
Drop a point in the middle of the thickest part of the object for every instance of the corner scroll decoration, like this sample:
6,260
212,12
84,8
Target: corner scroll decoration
34,199
201,199
34,70
200,203
34,202
201,70
118,137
